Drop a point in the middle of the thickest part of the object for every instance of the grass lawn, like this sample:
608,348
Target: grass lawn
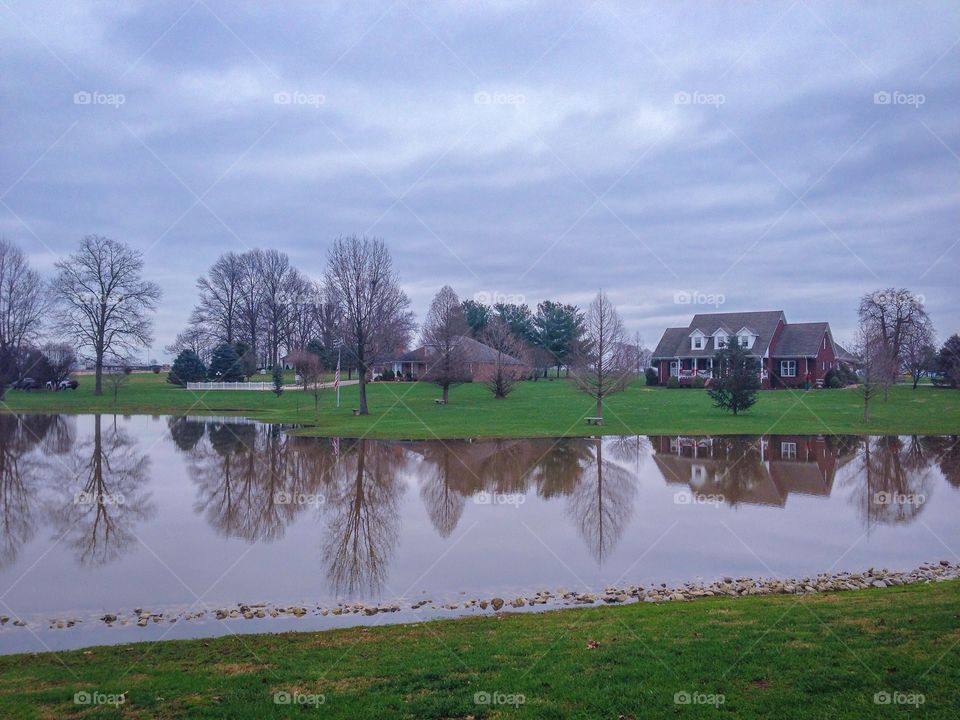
543,408
821,656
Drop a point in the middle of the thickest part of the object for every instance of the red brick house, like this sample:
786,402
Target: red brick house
481,361
789,354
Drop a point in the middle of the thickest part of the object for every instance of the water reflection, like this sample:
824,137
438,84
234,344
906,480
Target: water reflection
88,480
103,496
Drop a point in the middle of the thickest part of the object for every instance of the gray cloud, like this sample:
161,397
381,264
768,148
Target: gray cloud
520,149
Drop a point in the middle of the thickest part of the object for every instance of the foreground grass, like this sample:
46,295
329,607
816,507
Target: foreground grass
787,657
535,409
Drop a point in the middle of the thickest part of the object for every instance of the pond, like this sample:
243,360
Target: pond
178,518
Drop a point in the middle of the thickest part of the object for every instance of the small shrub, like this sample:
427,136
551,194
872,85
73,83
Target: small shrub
673,382
834,383
698,382
651,376
388,375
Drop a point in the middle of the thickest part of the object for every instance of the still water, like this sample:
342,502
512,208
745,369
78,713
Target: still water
105,514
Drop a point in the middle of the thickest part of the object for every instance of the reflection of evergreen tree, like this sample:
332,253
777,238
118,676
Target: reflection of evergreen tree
363,521
186,432
602,502
105,497
739,469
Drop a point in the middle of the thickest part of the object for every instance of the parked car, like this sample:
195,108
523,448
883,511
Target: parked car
27,383
68,384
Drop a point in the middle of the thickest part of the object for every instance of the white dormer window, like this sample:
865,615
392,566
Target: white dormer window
697,343
744,341
746,337
697,340
721,342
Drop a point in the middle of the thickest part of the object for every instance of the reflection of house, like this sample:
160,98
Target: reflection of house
761,471
480,359
787,353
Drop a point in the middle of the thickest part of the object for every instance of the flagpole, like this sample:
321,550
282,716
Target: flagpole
338,377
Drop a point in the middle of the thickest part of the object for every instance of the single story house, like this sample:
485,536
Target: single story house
788,354
481,361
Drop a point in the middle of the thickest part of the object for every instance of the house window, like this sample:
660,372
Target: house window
744,341
788,368
674,367
697,342
721,342
788,450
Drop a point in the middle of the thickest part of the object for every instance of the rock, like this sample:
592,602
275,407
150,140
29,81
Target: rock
497,603
483,604
142,622
108,618
879,584
945,563
519,602
337,611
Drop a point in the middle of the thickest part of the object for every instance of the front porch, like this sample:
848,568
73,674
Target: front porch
686,369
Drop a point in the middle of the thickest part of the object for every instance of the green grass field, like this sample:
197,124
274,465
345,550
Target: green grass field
535,409
820,656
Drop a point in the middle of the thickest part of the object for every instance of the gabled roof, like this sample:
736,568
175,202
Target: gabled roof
676,342
474,351
801,339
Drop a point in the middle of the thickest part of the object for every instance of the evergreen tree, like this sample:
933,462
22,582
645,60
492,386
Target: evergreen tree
277,380
477,315
225,365
735,378
188,367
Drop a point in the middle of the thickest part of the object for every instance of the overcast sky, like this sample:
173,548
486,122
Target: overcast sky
681,156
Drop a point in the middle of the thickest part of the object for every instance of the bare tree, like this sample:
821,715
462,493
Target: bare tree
509,366
22,306
105,300
194,338
603,366
375,311
218,309
874,364
251,301
892,314
443,334
919,352
61,361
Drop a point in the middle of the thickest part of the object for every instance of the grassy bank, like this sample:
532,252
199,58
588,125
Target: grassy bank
784,656
543,408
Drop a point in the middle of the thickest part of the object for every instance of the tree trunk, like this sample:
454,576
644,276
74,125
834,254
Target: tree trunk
866,408
98,382
446,394
600,407
362,377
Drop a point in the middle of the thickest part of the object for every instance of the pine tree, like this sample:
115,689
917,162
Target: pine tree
225,365
188,367
735,378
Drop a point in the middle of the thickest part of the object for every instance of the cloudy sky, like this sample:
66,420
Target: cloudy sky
681,156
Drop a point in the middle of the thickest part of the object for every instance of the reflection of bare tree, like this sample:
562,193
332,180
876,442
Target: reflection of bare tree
105,496
893,484
363,521
253,480
560,465
602,502
21,466
945,450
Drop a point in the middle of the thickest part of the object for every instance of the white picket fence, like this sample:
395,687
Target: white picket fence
229,386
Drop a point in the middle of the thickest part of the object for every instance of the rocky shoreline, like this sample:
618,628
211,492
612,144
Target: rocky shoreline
723,587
